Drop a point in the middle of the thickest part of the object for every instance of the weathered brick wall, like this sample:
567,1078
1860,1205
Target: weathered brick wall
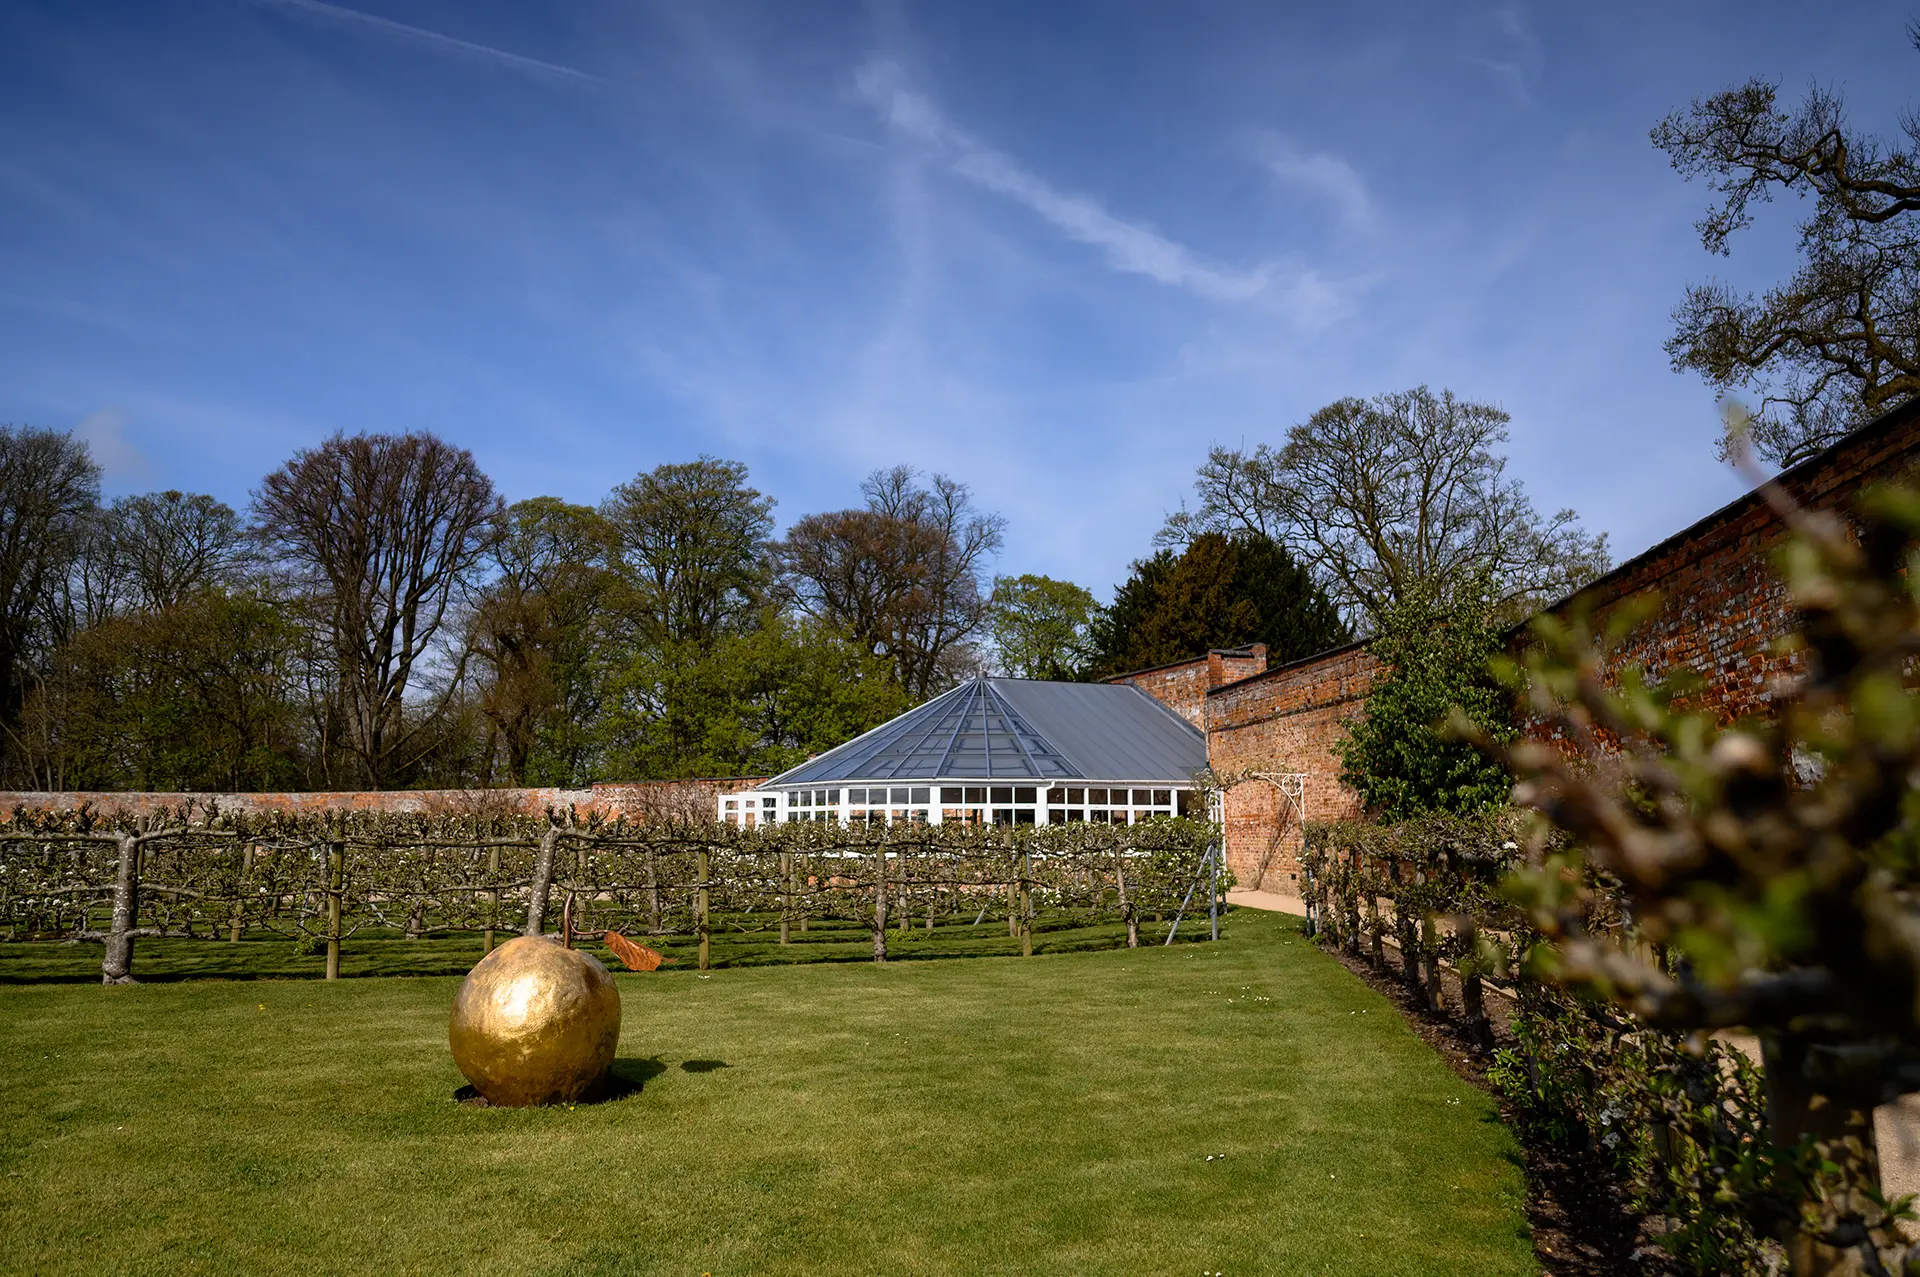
1722,606
1183,687
1721,603
641,800
1284,721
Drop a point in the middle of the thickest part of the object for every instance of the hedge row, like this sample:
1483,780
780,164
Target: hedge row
1678,1122
319,878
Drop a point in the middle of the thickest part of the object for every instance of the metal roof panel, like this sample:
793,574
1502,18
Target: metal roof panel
1019,729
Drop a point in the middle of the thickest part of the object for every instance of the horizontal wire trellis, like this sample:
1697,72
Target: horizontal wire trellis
322,877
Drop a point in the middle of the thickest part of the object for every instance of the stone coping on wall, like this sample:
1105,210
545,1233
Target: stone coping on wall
637,799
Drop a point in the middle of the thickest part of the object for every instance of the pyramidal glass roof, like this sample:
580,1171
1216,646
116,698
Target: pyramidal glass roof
1016,729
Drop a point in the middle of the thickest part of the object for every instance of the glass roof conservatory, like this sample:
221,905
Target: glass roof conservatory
1009,751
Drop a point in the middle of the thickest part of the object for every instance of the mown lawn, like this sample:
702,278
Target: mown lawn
1051,1115
738,941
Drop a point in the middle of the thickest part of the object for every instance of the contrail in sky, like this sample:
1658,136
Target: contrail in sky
445,44
1129,246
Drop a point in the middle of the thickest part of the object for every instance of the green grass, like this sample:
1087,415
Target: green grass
1044,1116
737,942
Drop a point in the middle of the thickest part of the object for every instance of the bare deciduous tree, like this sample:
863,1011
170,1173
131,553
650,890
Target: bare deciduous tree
1839,342
531,633
902,576
1387,496
174,544
383,533
149,553
49,487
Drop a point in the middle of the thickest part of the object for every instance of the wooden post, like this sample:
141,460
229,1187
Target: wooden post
935,896
879,903
1430,943
653,891
1352,919
493,908
336,882
1403,927
1378,950
1026,903
786,893
239,894
1126,902
700,911
583,898
1013,894
906,900
1472,1005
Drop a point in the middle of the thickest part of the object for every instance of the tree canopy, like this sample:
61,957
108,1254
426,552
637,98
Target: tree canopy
1838,342
1219,591
1401,756
384,533
900,577
1385,498
1040,626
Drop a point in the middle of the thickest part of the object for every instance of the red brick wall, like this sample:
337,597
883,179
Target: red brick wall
1722,605
636,801
1721,608
1283,721
1183,686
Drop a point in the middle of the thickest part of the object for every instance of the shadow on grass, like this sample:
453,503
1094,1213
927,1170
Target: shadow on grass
703,1066
627,1077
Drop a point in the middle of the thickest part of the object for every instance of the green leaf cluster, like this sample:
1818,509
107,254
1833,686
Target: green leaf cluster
1405,756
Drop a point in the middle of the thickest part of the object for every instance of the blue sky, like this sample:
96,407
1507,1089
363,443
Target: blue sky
1053,250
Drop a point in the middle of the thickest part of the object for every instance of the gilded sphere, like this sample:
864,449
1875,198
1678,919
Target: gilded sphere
535,1023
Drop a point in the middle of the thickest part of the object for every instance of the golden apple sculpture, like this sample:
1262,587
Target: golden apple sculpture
535,1023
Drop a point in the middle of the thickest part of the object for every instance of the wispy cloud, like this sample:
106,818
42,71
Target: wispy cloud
446,45
1327,176
1129,246
1516,58
121,462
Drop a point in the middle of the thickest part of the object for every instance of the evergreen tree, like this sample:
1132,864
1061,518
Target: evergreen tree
1221,591
1437,656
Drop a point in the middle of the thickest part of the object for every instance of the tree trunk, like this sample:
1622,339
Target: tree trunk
116,967
1126,902
542,885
